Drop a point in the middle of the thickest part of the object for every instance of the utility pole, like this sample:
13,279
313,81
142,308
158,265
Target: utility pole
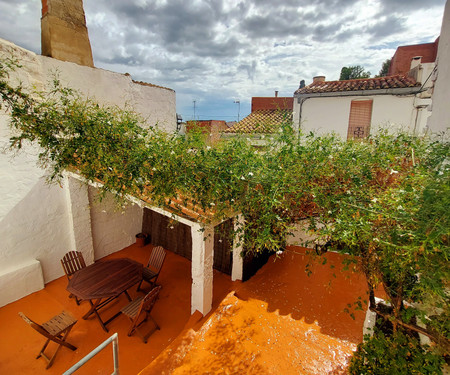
194,101
238,102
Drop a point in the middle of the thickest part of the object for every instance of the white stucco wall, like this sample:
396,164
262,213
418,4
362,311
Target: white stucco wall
331,114
19,280
156,105
43,222
80,217
37,226
113,227
440,118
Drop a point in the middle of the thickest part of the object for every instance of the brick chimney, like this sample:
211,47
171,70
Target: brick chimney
64,35
318,79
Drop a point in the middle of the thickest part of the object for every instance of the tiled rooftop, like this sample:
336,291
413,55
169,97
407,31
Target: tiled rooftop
380,83
261,121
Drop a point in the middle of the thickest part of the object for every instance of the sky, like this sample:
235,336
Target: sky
221,53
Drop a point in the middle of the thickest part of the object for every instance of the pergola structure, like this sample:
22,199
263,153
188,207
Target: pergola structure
201,224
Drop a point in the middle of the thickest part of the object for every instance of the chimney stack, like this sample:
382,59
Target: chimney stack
318,79
64,35
415,61
276,93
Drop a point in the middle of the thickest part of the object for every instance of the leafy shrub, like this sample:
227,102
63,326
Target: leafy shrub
398,354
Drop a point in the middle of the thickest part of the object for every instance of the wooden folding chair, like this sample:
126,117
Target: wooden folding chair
72,262
142,306
151,272
56,329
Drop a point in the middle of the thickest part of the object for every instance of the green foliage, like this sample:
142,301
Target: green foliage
353,72
384,200
384,68
398,354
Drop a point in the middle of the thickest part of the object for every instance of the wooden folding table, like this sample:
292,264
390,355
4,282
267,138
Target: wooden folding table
102,282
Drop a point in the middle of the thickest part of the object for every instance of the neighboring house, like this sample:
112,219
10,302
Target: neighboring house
401,61
211,128
266,115
354,108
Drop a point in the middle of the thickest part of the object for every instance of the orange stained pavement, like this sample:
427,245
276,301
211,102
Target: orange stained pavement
281,321
20,344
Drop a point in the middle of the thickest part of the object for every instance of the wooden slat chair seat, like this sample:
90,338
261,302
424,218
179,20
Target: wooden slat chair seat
142,306
72,262
56,329
151,272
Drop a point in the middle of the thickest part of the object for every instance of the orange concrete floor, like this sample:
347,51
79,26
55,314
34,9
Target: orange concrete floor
281,321
19,343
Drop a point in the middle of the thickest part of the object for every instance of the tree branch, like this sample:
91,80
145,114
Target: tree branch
435,336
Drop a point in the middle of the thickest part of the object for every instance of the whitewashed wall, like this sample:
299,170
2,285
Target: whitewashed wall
325,115
113,227
440,118
43,222
155,104
36,227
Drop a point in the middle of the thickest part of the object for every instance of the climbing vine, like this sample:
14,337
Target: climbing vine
384,200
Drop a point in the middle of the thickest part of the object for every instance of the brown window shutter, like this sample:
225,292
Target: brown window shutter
359,120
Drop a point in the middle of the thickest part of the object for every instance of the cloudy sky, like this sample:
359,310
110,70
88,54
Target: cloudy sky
218,51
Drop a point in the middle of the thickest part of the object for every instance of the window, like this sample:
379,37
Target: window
359,120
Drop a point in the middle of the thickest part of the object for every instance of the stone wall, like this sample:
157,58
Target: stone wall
64,35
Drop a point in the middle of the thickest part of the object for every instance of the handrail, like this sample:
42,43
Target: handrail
115,341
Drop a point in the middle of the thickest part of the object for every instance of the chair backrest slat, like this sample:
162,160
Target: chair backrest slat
149,300
72,262
34,325
157,258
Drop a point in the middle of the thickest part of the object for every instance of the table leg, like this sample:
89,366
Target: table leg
93,310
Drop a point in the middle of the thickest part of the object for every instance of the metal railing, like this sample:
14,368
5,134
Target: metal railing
115,342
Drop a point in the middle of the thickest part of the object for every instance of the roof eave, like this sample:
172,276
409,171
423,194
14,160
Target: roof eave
392,91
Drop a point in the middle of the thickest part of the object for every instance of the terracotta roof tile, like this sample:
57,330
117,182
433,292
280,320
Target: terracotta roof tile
261,121
389,82
142,83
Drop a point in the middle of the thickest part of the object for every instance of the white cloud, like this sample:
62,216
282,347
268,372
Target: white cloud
216,51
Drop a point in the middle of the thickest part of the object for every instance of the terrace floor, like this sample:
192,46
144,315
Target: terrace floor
280,321
19,343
